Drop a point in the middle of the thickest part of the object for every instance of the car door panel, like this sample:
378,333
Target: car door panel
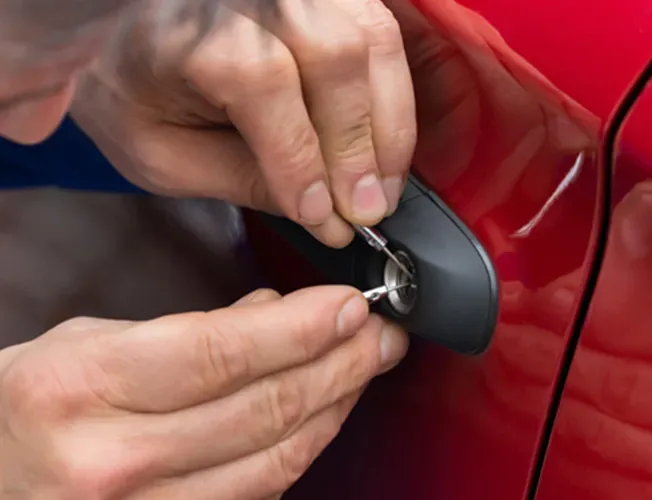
601,444
510,141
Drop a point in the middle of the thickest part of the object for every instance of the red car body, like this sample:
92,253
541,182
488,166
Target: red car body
535,127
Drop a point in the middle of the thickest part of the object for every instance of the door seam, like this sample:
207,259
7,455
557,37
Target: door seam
607,158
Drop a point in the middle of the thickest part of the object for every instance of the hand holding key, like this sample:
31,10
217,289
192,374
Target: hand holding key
306,112
232,404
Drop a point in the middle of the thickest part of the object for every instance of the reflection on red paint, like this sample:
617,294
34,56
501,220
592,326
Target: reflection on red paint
514,156
602,443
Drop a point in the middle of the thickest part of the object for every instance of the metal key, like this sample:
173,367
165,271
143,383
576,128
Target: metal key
379,243
377,294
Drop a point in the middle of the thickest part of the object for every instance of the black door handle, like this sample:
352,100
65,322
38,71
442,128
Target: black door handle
455,303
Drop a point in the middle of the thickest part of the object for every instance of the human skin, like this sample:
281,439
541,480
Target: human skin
237,402
307,111
232,404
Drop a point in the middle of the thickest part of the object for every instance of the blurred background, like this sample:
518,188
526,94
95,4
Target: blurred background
69,253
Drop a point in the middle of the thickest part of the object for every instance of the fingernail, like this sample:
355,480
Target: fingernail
369,202
393,346
316,204
352,316
393,189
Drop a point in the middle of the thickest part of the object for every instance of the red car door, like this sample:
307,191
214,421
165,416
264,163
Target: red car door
514,99
601,443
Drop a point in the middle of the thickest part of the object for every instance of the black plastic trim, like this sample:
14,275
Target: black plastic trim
492,277
457,297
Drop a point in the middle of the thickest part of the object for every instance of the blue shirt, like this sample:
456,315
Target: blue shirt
68,159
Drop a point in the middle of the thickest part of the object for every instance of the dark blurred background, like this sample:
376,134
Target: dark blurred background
68,253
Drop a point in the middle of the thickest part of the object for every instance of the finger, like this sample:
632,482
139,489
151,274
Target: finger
216,164
335,232
265,473
269,410
261,295
260,87
332,53
393,113
187,359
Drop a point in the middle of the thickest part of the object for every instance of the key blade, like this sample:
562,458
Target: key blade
399,287
396,261
378,242
377,294
371,237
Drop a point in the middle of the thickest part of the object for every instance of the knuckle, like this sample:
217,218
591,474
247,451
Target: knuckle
355,370
311,332
84,468
250,189
300,151
35,395
257,194
332,425
355,143
365,364
289,460
383,30
305,337
222,353
348,47
344,50
402,141
93,472
363,361
266,75
76,324
405,138
284,405
85,478
303,149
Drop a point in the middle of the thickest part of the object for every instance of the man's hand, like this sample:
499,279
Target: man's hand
231,404
307,111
